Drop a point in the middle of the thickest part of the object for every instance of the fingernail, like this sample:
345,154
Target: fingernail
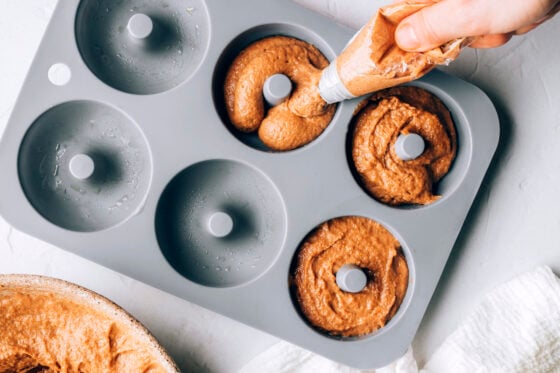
406,37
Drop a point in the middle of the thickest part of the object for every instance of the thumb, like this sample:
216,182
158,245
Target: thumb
443,21
430,27
446,20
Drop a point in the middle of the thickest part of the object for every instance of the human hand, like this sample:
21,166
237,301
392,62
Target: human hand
491,23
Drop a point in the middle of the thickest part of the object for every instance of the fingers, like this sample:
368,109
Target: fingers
526,29
450,19
490,41
432,26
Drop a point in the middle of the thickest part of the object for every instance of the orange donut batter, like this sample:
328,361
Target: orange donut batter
350,240
44,329
298,120
403,110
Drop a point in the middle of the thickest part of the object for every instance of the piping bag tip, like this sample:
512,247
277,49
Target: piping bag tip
331,88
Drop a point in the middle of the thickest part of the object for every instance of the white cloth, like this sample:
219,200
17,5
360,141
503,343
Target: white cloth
284,357
516,328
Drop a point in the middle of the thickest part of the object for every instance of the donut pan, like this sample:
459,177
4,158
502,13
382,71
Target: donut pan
119,150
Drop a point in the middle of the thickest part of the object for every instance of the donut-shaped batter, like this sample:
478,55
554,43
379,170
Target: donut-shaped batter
350,240
388,114
298,120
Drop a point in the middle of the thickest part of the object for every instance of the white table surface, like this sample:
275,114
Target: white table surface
513,226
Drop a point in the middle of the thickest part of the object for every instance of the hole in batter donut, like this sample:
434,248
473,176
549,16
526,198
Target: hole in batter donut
349,307
266,87
402,141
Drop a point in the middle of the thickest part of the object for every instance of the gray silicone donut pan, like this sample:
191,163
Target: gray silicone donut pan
151,118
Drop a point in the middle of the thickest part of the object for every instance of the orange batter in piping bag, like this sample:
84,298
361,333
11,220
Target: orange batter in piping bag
373,61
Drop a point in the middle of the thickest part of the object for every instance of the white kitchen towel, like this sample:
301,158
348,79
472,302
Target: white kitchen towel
516,328
284,357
